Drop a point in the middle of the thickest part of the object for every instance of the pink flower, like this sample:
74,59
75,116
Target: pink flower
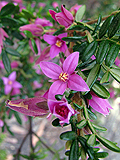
64,77
41,4
75,8
36,85
44,56
11,83
99,104
57,44
55,4
1,123
36,106
43,22
3,34
117,62
61,109
64,18
14,64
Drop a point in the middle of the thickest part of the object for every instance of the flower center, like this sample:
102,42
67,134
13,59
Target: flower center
62,111
10,82
63,77
58,43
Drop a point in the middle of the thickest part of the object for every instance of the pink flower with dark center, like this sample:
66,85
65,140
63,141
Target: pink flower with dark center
11,83
36,106
64,18
61,109
57,44
65,76
99,104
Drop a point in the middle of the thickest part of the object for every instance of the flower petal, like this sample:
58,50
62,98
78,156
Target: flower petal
62,35
71,62
16,85
12,76
67,13
58,87
7,89
50,69
54,50
77,83
49,39
5,80
53,13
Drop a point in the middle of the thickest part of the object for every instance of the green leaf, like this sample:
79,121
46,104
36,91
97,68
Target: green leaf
58,97
99,128
34,46
100,91
74,151
101,155
59,31
115,72
27,14
17,35
56,123
105,77
80,13
8,129
91,140
28,34
13,52
74,38
82,124
77,106
17,117
108,144
89,51
6,61
97,25
111,55
91,115
93,75
105,27
7,21
69,135
25,156
76,27
102,51
114,26
7,9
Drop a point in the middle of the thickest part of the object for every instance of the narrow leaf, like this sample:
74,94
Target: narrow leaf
110,145
17,117
115,72
34,46
74,151
6,61
93,75
99,128
101,155
91,140
100,91
13,52
69,135
82,124
74,38
105,77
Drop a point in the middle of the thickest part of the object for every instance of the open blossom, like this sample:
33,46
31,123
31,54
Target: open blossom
3,34
64,18
36,106
11,83
57,44
65,76
61,109
99,104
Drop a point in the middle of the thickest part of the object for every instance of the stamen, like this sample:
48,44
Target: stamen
63,77
10,82
58,43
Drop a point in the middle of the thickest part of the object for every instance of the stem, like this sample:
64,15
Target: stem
19,149
30,132
49,148
104,18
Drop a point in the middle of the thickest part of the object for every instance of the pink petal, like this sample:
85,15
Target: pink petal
7,89
62,35
17,85
50,69
71,62
77,83
12,76
61,18
54,50
53,13
67,13
49,39
5,80
63,47
58,87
